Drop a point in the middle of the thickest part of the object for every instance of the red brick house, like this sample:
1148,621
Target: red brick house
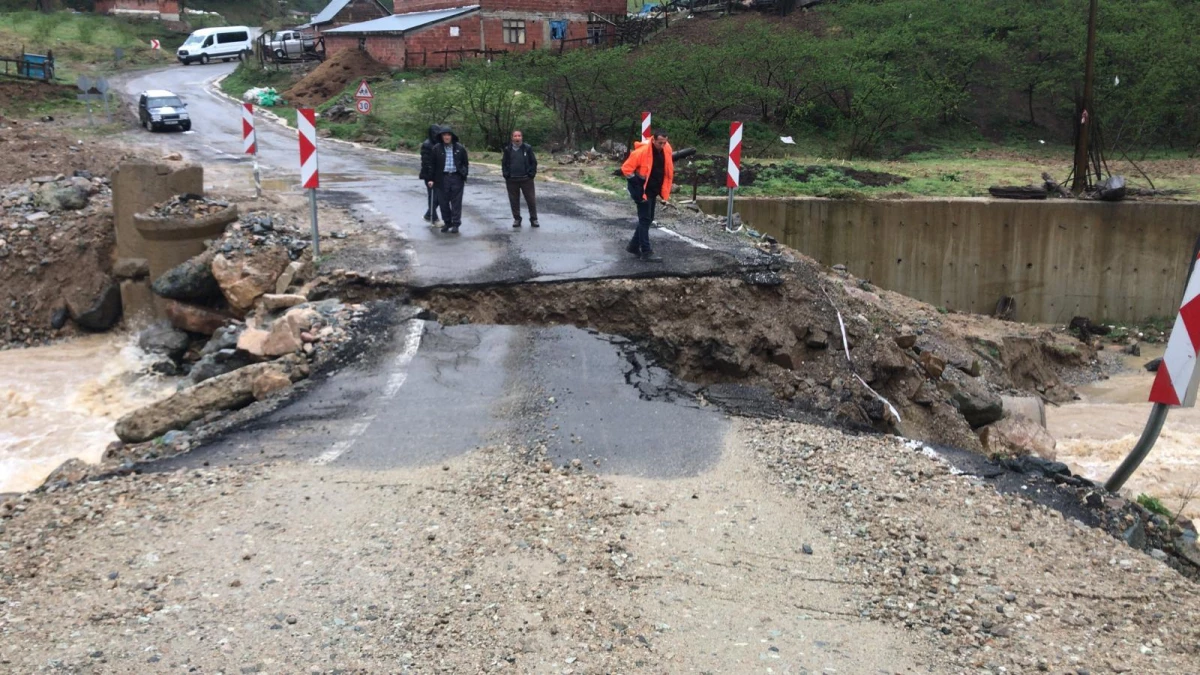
423,33
343,12
167,10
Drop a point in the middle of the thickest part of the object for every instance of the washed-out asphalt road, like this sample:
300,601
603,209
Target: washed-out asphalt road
436,391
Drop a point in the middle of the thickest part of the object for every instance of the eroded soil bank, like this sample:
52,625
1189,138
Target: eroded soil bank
942,374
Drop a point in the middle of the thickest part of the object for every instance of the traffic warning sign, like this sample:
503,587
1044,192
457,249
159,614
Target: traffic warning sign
363,91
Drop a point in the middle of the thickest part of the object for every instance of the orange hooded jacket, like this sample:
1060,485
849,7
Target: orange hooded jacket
641,160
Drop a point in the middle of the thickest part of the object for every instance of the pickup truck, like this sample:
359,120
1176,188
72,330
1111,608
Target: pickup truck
290,44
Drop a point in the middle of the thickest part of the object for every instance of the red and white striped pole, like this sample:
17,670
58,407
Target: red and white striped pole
733,173
646,131
310,178
250,144
1177,379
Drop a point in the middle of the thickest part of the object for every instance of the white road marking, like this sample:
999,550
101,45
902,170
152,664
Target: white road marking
686,238
412,342
336,450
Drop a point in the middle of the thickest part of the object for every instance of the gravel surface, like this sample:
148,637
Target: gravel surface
803,550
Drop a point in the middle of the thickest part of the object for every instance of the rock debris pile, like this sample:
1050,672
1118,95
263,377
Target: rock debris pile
56,241
241,326
188,206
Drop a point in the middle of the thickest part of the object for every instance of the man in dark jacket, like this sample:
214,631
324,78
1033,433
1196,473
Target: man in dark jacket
450,169
519,166
432,202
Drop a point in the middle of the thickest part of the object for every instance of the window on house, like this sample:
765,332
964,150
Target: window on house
514,32
595,33
558,30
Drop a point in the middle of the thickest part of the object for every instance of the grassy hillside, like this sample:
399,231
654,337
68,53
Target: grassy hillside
85,43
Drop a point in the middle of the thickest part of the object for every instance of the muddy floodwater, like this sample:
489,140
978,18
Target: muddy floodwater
1095,433
61,401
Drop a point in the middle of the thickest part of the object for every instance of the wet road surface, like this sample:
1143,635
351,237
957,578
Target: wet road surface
436,391
583,236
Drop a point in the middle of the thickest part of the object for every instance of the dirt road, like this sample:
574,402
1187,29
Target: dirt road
801,550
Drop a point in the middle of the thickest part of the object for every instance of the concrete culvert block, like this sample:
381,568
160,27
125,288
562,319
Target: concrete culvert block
170,241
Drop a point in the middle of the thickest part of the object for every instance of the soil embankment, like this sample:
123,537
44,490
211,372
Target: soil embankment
331,77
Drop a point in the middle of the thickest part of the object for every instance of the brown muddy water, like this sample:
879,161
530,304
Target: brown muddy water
1097,432
61,401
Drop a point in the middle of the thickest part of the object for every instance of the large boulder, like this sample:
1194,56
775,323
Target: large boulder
61,196
218,363
1017,436
285,334
191,280
270,383
97,312
194,318
979,405
231,390
245,278
225,337
164,339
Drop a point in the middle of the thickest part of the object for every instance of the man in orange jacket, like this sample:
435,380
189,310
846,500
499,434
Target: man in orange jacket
649,172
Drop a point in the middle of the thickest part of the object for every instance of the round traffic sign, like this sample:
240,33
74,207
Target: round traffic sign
364,106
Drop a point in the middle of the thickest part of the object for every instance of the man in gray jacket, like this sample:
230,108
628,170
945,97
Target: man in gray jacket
519,166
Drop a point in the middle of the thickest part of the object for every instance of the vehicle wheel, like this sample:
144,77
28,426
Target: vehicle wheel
280,54
241,56
149,127
204,59
185,127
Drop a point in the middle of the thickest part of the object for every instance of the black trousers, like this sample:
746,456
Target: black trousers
516,188
450,195
641,235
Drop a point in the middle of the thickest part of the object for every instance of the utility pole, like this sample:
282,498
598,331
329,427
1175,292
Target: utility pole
1079,184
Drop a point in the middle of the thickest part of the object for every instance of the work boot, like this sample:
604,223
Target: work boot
453,229
533,223
447,228
633,248
650,256
516,223
427,217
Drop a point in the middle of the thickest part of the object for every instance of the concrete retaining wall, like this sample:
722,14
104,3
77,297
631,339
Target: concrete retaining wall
1117,262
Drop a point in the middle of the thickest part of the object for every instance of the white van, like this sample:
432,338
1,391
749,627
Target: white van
225,43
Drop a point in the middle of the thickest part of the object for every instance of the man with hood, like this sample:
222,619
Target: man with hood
450,169
432,201
649,171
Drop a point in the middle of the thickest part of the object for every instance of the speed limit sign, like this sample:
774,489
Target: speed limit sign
363,105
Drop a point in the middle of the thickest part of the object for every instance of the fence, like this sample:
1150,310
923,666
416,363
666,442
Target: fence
30,66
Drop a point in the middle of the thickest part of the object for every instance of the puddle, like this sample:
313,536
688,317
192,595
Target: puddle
61,401
1097,432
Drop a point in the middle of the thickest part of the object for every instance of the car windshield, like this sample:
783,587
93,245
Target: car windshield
164,102
194,40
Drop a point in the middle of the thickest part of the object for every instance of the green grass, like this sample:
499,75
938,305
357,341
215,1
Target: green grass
396,121
82,44
1153,505
85,43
